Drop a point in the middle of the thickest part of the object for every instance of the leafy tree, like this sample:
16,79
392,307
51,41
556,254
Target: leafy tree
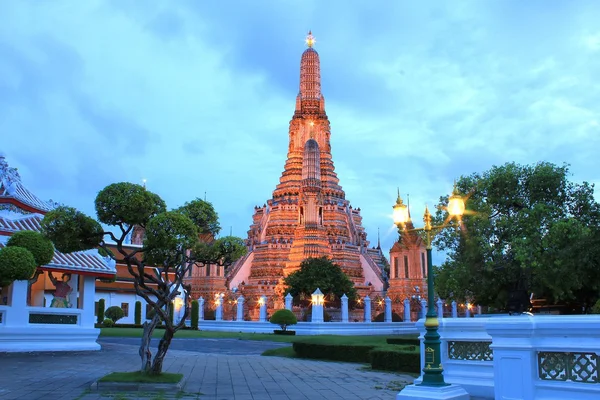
529,230
40,246
319,273
115,313
172,245
16,264
283,318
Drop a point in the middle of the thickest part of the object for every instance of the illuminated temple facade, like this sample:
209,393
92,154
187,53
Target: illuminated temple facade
308,215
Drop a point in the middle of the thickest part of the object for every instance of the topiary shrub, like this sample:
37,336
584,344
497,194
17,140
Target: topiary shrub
596,308
40,246
108,323
406,359
101,307
16,264
195,314
381,317
115,313
283,318
138,313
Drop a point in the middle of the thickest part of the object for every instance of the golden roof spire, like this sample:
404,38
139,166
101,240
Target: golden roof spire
310,39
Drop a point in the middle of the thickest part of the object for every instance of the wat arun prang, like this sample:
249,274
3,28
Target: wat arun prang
308,215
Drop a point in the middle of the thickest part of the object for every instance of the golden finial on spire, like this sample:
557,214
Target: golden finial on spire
310,39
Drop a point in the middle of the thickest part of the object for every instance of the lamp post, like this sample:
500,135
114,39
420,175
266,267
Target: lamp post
432,371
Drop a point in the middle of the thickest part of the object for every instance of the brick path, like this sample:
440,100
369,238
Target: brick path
64,376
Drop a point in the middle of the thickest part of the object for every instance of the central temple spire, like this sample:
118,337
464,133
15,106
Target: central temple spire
310,100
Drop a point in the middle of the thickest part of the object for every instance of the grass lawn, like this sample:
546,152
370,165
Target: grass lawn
328,339
138,376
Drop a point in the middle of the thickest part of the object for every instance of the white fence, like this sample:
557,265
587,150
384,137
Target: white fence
522,357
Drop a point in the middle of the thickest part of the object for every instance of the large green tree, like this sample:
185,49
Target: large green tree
319,273
529,230
172,245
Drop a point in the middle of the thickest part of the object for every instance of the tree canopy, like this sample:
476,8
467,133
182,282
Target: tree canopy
175,241
319,273
529,230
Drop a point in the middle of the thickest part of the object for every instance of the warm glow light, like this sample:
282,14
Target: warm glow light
400,214
178,303
456,205
261,301
310,39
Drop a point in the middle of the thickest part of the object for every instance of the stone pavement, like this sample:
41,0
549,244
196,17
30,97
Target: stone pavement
64,376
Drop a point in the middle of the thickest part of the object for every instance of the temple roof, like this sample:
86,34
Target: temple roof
87,262
13,191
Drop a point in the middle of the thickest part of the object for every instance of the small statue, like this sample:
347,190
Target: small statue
61,294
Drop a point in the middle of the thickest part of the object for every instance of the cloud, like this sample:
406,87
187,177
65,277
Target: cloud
197,97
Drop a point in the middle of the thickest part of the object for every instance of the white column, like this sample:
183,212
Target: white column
423,308
219,309
17,314
440,308
367,309
88,294
388,309
201,309
344,308
317,306
479,310
288,301
454,310
406,310
263,309
468,310
240,309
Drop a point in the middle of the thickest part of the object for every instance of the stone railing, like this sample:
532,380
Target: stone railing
522,357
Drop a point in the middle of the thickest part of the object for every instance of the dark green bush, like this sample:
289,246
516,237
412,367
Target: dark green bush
16,264
195,314
283,318
115,313
381,317
335,352
405,359
101,307
404,340
108,323
39,245
138,313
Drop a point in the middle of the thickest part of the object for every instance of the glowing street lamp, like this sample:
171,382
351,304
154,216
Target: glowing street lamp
432,372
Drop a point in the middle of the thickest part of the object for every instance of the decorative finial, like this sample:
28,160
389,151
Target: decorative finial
310,39
399,199
144,183
378,242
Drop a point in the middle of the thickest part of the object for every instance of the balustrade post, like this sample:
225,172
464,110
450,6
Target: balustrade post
219,309
423,308
344,308
201,308
367,309
263,309
468,310
388,309
440,308
240,309
406,310
454,310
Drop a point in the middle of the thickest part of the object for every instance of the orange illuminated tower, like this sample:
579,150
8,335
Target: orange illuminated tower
308,215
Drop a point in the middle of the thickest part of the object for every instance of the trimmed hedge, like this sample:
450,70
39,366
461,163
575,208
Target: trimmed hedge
101,308
405,360
404,341
335,352
381,317
195,314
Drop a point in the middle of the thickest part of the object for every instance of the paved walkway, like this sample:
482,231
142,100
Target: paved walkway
64,376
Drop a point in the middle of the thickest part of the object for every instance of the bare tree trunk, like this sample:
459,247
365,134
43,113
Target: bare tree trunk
163,346
145,352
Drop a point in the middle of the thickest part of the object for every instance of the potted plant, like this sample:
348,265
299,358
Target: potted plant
283,318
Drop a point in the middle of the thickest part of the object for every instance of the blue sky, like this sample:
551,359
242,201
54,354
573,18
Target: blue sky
197,96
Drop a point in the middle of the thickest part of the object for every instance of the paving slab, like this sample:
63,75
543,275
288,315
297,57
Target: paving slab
207,376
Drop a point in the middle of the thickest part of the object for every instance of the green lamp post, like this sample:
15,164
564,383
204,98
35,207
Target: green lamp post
432,371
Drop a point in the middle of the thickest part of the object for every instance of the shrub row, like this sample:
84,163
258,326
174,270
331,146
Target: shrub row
405,358
404,341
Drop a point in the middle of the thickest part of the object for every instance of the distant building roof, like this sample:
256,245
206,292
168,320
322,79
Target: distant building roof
13,192
87,262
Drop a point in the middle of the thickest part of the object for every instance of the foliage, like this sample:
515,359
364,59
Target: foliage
381,317
16,264
596,308
403,341
528,230
319,273
138,313
71,230
115,313
336,352
101,308
195,314
283,318
40,246
108,323
203,215
398,359
171,246
127,204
